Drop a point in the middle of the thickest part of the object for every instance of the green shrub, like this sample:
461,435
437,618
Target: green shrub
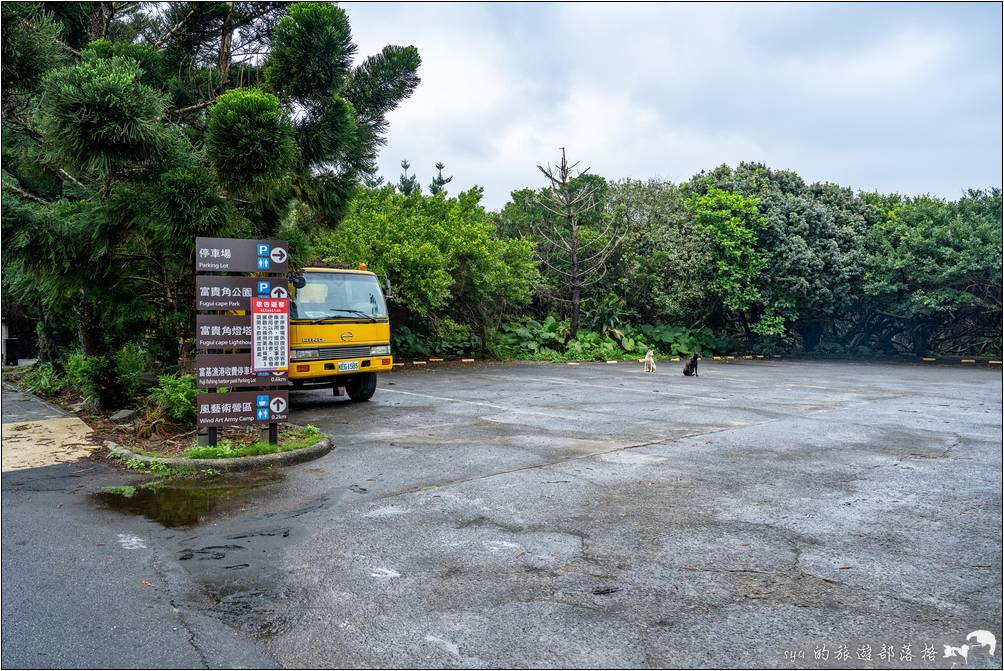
405,342
42,379
93,376
528,339
174,397
130,362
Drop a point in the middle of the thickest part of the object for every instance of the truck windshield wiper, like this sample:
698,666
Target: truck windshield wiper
355,312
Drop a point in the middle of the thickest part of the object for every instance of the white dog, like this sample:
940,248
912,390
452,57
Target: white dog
650,362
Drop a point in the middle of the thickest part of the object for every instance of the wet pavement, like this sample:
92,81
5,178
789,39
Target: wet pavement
546,515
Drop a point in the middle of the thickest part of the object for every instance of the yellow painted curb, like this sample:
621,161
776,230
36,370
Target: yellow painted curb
968,361
995,362
717,358
928,358
759,356
748,356
467,360
572,363
419,363
613,361
730,358
436,360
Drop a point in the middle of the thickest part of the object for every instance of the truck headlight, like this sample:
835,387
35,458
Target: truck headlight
301,354
379,349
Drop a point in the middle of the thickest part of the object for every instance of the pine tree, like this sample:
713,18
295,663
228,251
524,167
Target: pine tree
408,184
131,128
439,182
578,261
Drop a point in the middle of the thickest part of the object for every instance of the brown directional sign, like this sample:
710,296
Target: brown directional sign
242,408
223,331
233,370
218,292
234,255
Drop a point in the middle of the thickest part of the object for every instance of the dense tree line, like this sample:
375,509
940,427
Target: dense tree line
131,128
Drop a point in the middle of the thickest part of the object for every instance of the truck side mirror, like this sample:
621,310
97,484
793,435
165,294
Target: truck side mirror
297,280
387,291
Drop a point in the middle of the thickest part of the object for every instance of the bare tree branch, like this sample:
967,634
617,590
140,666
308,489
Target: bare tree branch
161,41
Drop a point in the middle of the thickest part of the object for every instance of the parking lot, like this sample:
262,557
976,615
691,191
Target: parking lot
554,515
587,516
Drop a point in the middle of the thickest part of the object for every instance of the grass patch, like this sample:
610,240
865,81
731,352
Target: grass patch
295,439
127,491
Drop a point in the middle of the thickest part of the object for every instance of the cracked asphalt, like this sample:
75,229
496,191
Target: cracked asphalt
766,514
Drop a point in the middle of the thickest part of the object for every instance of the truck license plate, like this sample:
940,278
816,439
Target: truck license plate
348,365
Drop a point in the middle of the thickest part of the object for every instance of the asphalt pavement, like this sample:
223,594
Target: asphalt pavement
767,513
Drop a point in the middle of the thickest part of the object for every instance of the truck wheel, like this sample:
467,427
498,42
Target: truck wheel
362,387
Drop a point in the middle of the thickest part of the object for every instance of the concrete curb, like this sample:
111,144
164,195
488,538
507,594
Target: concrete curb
226,465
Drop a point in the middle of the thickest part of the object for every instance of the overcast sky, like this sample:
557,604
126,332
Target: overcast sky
894,97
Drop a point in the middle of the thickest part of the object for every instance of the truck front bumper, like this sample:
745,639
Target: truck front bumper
308,373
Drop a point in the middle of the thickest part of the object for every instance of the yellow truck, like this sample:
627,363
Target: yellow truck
339,331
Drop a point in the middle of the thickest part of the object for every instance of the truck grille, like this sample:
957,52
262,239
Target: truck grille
343,351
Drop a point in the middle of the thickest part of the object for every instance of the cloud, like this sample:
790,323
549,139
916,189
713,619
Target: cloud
888,97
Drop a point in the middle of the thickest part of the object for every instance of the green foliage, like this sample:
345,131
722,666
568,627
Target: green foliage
250,142
130,362
296,439
96,378
134,464
441,254
174,397
446,336
312,51
97,115
533,337
148,59
30,46
731,221
606,315
160,469
42,379
438,184
406,343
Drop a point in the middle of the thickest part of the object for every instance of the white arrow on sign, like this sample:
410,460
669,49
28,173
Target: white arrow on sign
277,404
279,292
278,255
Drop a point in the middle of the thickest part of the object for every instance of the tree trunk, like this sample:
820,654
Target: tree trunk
101,17
226,42
88,330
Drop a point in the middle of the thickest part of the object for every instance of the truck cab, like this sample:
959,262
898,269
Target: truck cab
339,331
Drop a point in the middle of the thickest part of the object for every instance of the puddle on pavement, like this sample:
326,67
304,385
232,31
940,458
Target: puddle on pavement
185,503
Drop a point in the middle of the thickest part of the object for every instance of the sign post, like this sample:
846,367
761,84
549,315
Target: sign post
242,334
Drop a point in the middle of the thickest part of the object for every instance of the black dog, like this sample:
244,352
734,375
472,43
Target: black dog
691,367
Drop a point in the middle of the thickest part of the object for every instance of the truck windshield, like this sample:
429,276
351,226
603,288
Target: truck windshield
338,296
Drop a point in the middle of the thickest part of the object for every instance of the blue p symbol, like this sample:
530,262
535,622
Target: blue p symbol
262,250
264,287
